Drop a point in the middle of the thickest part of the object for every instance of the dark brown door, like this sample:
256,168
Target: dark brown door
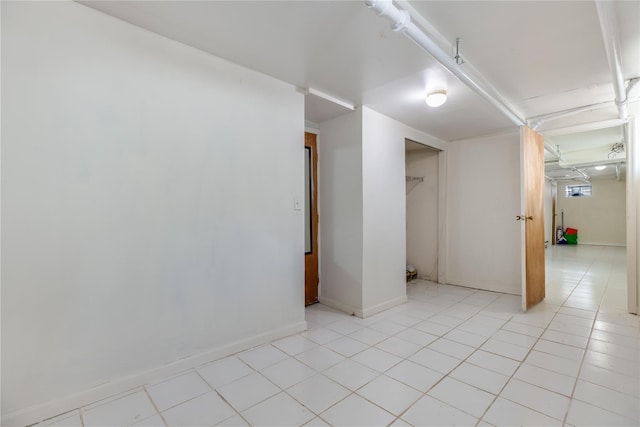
533,172
311,221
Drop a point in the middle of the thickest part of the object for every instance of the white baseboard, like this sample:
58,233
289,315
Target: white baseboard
370,311
362,313
492,287
52,408
349,309
601,244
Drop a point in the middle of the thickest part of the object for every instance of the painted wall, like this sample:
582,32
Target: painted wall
632,136
340,211
362,211
384,225
143,220
600,218
422,213
549,234
483,243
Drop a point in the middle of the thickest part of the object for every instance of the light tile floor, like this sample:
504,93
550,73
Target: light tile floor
450,356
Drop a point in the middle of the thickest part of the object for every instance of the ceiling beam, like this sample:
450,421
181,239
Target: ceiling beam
401,21
608,25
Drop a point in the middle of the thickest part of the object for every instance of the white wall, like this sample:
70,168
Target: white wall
384,244
362,211
549,234
340,196
147,207
422,213
483,244
632,136
600,218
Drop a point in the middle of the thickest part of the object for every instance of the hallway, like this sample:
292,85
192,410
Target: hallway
451,355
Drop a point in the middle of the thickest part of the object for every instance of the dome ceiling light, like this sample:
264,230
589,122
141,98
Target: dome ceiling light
436,98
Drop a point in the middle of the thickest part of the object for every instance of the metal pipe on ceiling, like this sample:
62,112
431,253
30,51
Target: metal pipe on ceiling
584,176
425,25
401,21
585,127
537,121
617,171
631,84
555,152
608,25
584,165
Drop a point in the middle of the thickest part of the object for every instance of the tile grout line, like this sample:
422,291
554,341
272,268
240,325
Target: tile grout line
454,368
582,361
514,373
146,392
423,394
593,322
220,395
576,288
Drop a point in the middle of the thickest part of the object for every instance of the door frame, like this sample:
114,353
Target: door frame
314,217
440,221
632,135
441,148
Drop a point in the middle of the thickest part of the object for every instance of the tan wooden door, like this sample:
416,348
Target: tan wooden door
311,279
532,156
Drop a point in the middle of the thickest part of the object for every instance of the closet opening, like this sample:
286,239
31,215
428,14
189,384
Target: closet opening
422,210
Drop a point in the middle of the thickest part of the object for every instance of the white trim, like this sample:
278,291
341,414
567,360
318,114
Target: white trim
523,233
52,408
311,127
632,130
346,308
442,207
488,286
442,216
616,245
340,102
318,206
383,306
1,196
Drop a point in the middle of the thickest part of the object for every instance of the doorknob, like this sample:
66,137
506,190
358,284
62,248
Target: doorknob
523,218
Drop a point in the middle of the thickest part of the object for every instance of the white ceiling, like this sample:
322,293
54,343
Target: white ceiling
585,151
588,147
543,57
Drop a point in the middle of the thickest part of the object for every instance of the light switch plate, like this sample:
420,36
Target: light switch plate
297,203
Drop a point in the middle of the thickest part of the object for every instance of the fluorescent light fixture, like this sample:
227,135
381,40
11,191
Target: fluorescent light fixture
600,167
436,98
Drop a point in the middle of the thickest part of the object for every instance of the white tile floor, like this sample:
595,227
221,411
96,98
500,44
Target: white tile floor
450,356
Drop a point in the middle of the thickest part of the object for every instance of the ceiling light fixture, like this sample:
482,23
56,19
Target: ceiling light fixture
600,167
436,98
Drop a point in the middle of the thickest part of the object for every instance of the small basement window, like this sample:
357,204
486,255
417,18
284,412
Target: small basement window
577,190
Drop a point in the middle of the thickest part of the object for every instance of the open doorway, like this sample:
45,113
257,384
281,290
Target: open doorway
587,171
311,277
422,208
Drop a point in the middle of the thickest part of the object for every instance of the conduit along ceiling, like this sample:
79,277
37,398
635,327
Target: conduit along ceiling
584,155
546,62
